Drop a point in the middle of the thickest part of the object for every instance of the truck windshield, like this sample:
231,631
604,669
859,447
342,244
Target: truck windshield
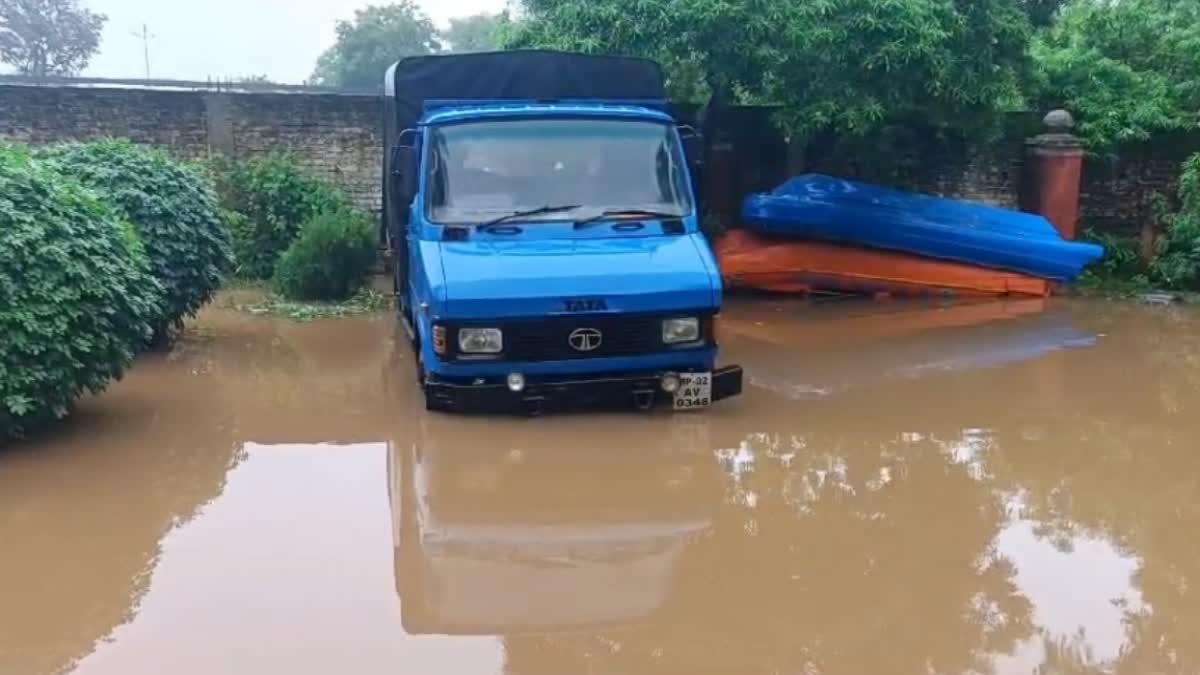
482,170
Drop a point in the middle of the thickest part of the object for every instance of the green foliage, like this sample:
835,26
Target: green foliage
1120,272
1178,262
846,66
366,301
1042,12
76,295
373,41
1121,258
48,37
174,211
1128,70
330,259
475,33
265,202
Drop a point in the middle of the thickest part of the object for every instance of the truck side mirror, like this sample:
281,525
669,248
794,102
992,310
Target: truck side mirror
693,146
405,165
693,154
404,171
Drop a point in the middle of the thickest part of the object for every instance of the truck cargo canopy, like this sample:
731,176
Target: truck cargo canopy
526,75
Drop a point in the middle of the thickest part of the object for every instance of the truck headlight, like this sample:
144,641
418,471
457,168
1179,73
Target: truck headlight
678,331
480,340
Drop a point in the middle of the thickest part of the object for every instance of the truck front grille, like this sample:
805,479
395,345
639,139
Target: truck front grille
548,339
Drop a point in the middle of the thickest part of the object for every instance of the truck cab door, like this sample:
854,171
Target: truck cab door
401,192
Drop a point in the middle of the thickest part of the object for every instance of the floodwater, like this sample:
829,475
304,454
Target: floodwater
904,488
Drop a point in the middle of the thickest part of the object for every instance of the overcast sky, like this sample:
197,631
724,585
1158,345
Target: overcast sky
195,39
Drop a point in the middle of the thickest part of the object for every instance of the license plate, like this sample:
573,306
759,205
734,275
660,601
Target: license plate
695,391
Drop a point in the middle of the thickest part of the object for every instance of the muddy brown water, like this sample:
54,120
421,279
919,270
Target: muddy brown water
907,488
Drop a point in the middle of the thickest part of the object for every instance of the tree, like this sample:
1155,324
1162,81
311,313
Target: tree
1128,70
846,66
373,41
476,33
1042,13
48,37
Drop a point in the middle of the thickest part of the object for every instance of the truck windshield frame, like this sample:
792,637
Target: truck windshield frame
480,170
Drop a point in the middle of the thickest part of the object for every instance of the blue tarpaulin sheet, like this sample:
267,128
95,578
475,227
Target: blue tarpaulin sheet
848,212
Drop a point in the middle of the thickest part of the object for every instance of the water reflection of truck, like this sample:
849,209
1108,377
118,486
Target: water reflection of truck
547,251
506,532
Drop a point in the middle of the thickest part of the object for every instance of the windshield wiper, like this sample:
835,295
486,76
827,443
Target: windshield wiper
526,213
611,213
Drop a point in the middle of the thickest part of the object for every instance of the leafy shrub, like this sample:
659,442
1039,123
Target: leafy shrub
1178,262
273,198
1121,271
76,294
174,211
1121,258
330,259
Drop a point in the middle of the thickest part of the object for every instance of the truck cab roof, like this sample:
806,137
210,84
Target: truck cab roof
415,85
471,111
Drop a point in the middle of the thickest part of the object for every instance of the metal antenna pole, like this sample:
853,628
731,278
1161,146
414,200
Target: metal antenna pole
145,36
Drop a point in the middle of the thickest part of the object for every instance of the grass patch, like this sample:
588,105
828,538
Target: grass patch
1139,287
366,301
232,283
1095,285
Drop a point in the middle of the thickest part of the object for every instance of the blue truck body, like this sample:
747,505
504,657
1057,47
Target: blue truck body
508,225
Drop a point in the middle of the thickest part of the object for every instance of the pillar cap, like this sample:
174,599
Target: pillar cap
1059,125
1058,121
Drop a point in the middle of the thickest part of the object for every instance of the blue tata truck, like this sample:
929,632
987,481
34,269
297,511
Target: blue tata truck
540,213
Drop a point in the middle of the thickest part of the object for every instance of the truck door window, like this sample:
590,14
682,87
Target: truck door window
480,170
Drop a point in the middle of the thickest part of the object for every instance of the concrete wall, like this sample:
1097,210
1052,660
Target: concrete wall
336,136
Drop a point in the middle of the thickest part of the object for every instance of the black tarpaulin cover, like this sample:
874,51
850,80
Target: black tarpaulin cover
521,75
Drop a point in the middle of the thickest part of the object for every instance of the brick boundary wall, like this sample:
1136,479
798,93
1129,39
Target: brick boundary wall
338,136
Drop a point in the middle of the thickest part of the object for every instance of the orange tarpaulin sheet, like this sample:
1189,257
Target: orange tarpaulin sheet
751,261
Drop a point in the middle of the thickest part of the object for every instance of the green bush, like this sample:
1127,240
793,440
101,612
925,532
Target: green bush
1121,258
1177,264
330,259
1121,271
76,294
273,198
174,211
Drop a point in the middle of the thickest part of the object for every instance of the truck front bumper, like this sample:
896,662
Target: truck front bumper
547,394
